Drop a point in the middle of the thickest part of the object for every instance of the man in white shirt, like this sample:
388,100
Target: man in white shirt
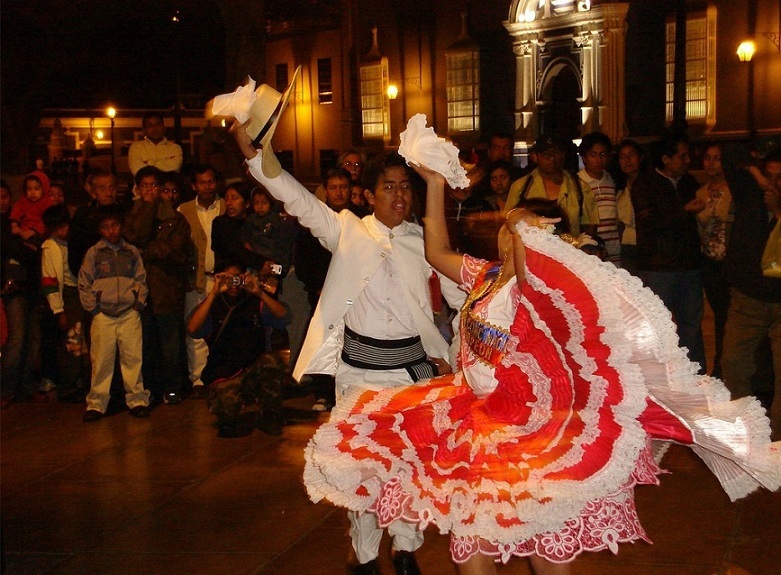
200,213
155,149
374,325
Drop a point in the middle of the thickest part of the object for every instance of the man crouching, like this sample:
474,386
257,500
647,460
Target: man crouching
233,320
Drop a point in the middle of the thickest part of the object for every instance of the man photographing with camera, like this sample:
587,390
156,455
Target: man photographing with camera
232,320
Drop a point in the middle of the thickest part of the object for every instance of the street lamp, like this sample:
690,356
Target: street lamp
746,51
111,112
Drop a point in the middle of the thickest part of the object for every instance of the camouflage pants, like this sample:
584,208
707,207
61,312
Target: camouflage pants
261,382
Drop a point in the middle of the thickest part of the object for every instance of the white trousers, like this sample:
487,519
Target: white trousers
365,534
107,334
197,350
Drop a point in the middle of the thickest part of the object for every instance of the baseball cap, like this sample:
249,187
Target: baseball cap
550,142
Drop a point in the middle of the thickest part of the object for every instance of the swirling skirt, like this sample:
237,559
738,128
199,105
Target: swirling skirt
593,388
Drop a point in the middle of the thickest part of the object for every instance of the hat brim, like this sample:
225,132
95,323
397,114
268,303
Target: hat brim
270,164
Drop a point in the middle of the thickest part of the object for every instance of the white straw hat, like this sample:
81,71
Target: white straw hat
263,109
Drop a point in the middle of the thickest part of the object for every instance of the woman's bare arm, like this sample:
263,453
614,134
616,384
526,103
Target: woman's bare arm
438,251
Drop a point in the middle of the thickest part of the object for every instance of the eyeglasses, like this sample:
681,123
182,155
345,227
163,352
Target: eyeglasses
170,190
353,164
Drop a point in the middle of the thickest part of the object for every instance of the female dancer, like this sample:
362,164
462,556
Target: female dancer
569,369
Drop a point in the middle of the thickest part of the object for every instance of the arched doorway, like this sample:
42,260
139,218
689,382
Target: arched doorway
560,110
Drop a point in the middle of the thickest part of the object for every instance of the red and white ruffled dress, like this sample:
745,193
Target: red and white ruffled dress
536,444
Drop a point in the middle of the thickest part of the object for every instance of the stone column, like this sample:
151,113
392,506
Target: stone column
525,89
612,101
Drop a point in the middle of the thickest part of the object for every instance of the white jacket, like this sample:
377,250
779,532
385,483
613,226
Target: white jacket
356,256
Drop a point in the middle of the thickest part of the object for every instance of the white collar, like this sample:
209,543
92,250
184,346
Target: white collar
381,229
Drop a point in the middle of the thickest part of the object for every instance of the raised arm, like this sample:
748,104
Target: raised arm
200,314
438,251
519,249
324,223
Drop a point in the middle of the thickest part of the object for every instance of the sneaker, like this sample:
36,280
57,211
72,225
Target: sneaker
140,411
322,405
172,398
91,415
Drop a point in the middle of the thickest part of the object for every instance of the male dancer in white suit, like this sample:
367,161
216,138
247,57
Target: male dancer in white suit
374,324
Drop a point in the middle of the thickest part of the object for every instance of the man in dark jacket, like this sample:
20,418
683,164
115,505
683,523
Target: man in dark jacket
755,299
668,245
102,188
163,236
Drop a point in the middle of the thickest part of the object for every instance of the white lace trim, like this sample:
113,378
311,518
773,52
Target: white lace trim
732,437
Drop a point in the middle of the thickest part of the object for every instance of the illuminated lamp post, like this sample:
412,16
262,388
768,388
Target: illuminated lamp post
111,113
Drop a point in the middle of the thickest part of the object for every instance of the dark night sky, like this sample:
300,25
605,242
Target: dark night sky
85,53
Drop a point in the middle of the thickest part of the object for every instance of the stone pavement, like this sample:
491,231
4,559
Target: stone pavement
164,495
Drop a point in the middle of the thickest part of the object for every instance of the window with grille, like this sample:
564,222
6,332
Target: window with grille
375,109
325,93
463,91
700,67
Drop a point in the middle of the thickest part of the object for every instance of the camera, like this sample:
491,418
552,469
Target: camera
236,281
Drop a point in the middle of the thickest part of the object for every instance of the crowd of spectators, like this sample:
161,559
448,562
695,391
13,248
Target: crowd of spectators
128,274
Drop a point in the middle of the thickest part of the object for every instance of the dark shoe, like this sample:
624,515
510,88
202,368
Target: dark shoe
370,568
199,392
231,431
405,564
271,422
172,398
140,411
91,415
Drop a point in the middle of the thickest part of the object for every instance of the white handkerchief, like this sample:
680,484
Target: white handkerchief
236,104
421,146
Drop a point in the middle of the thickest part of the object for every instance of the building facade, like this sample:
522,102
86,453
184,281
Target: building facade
478,67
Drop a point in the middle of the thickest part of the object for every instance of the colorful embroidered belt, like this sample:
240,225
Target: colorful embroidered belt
486,341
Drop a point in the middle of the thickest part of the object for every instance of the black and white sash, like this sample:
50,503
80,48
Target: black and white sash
381,354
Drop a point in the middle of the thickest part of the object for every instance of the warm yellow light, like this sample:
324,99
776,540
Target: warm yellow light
111,112
99,134
392,91
746,51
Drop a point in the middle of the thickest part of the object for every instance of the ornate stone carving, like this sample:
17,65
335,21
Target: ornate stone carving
522,48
